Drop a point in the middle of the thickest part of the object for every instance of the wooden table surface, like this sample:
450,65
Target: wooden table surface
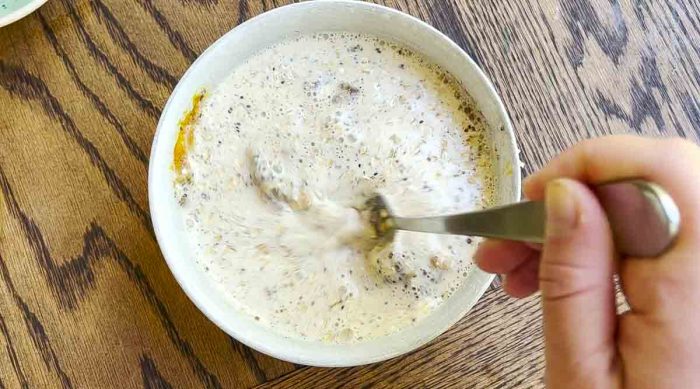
86,299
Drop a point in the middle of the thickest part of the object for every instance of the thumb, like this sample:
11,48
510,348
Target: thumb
578,296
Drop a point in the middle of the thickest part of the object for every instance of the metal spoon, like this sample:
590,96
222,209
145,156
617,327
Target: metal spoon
643,217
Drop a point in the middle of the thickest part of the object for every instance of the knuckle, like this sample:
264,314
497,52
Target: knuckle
559,279
586,159
584,149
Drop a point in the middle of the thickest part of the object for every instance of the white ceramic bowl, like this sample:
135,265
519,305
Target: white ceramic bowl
14,10
214,65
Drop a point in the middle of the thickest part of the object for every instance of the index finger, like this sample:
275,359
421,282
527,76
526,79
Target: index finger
671,163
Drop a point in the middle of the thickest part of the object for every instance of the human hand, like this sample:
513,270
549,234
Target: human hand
657,342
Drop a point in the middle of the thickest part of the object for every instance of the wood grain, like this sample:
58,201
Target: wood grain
86,299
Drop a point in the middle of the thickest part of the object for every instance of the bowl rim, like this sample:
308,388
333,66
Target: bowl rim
21,12
338,360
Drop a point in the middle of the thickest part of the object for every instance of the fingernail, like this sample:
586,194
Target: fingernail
560,205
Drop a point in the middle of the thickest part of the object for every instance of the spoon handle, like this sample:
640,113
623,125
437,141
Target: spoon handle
643,217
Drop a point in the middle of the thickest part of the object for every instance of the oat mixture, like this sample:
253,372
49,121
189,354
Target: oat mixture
283,153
